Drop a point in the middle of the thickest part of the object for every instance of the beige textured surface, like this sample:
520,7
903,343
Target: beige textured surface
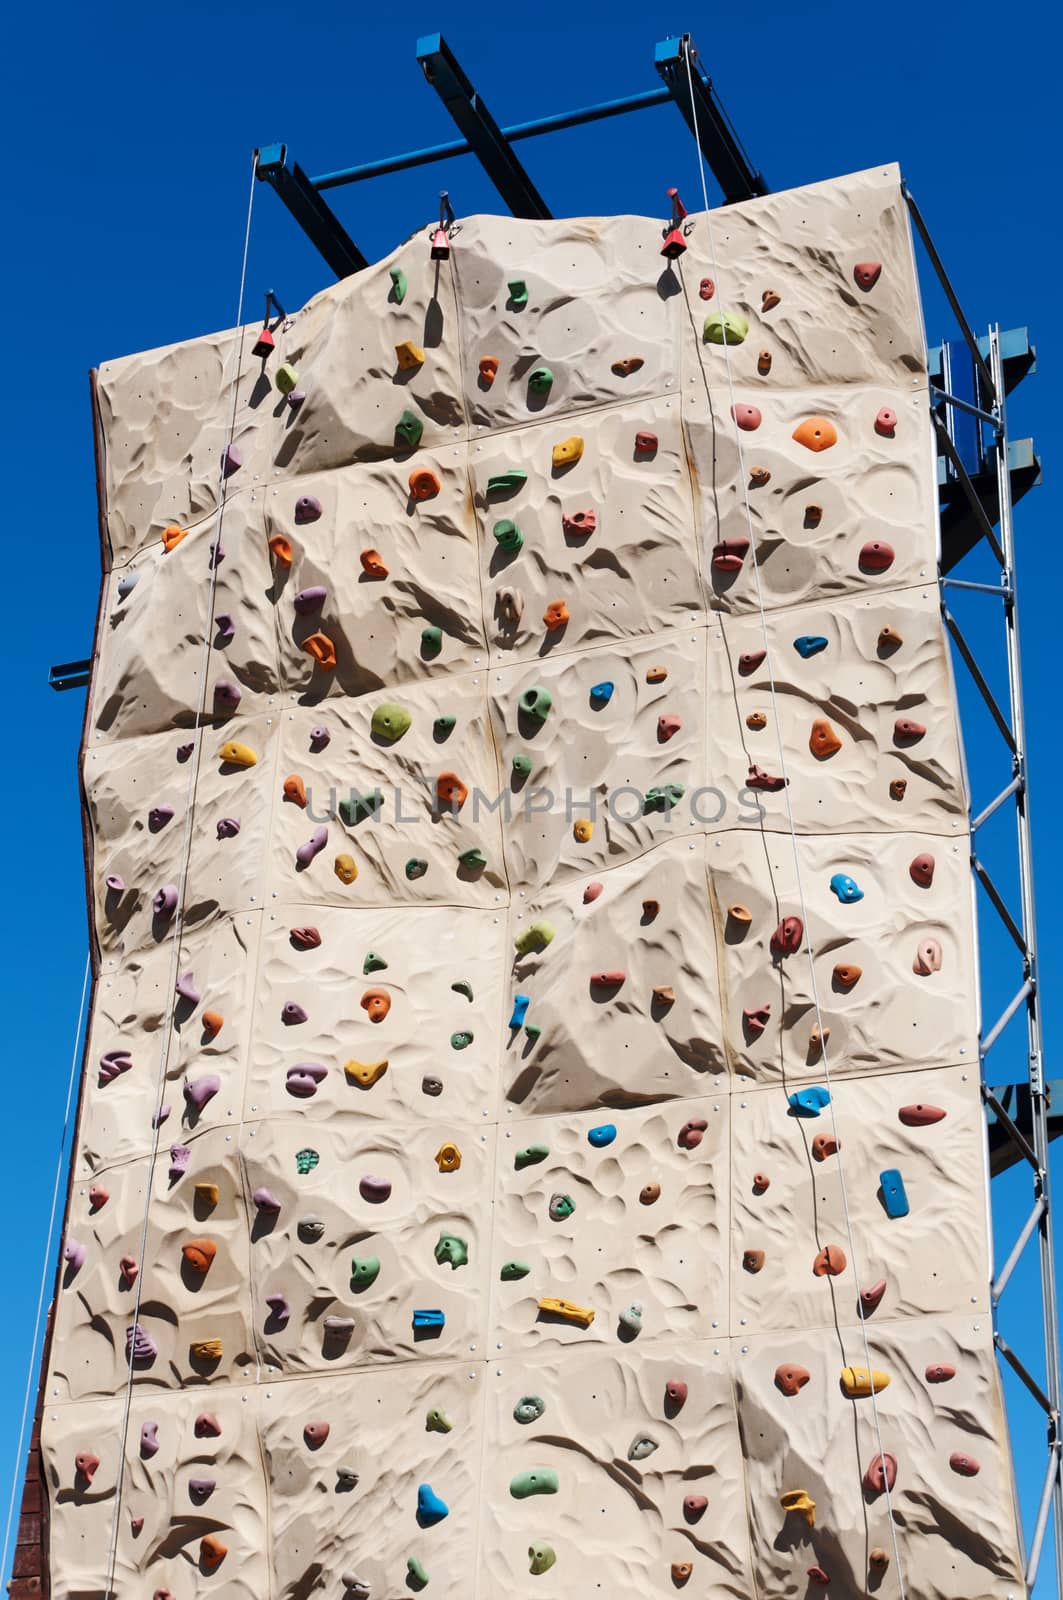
633,1033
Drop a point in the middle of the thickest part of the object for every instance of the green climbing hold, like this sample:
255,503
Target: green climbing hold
408,430
512,1270
664,798
398,285
437,1421
540,380
541,1558
530,1155
286,378
533,1030
518,294
529,1408
521,765
561,1207
725,327
416,1576
431,641
461,1041
538,1480
473,860
373,963
306,1161
452,1249
506,482
390,721
536,702
416,867
463,986
444,725
535,937
356,807
364,1271
508,535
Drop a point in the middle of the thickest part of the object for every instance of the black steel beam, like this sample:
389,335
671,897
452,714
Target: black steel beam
485,138
313,214
677,62
69,675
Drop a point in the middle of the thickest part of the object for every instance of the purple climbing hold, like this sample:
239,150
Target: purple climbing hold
180,1156
313,846
307,508
149,1440
200,1489
319,738
198,1091
159,816
302,1080
226,628
186,988
139,1346
279,1309
74,1254
265,1201
231,461
184,751
227,693
228,827
292,1012
115,883
165,901
160,1116
307,601
217,554
375,1190
296,398
113,1063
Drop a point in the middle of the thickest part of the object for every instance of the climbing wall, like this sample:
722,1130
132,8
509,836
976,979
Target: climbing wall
530,1141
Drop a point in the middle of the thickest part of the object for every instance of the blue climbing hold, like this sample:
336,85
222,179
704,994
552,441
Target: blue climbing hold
602,693
894,1197
847,889
809,1102
602,1135
430,1508
429,1319
521,1002
810,644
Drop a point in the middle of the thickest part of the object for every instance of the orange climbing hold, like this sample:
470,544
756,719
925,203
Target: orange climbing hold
212,1552
321,647
377,1002
627,365
823,741
846,974
816,433
213,1022
556,615
451,792
280,550
488,370
372,565
790,1378
172,536
824,1145
423,484
199,1253
830,1262
295,790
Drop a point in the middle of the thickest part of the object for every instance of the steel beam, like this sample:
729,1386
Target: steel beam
677,62
485,138
69,675
315,216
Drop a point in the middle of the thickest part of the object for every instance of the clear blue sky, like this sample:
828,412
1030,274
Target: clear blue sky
128,134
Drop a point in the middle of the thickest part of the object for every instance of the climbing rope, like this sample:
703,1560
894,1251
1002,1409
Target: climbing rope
743,475
186,851
16,1476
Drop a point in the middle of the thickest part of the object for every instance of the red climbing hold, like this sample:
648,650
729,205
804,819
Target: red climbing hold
689,1136
747,417
675,1396
786,940
965,1465
869,1298
706,288
881,1473
939,1372
886,423
818,1575
791,1379
755,1020
905,731
877,556
694,1507
921,870
920,1115
824,1145
607,980
668,726
757,778
646,443
750,660
866,274
728,555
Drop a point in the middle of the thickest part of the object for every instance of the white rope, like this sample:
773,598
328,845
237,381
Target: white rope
17,1474
186,851
790,816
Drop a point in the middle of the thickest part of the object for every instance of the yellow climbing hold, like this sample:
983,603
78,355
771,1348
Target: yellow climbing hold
567,451
205,1349
207,1194
448,1157
365,1073
582,828
799,1501
346,868
409,355
564,1308
858,1382
237,755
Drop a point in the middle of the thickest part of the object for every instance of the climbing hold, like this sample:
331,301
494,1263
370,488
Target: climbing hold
313,846
561,1207
207,1426
509,604
769,300
886,423
816,433
294,789
823,741
582,829
437,1421
305,938
630,1319
281,550
801,1503
602,693
537,1480
725,327
231,460
755,1019
965,1465
207,1194
321,647
171,538
866,274
663,797
646,443
373,564
567,452
607,980
928,958
870,1298
530,1155
847,889
894,1197
302,1080
752,1260
786,940
529,1408
830,1262
345,867
602,1135
488,370
306,1161
556,616
761,1183
129,1271
508,535
825,1145
226,627
694,1507
921,870
759,476
74,1254
939,1372
461,1040
536,936
881,1473
809,1102
540,380
521,1003
448,1157
98,1197
409,356
747,417
180,1156
905,731
374,1190
898,788
578,524
408,429
423,484
878,1559
311,1229
227,694
164,902
859,1382
199,1091
518,294
920,1115
764,363
390,721
627,365
810,644
641,1446
877,556
140,1346
514,1270
690,1134
846,975
86,1465
452,1250
279,1311
364,1271
364,1073
541,1558
228,827
451,792
398,285
430,1507
507,482
791,1379
728,555
535,703
581,1315
199,1253
286,378
113,1063
663,995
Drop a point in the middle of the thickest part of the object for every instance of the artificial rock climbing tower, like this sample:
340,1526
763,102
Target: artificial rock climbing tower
530,1140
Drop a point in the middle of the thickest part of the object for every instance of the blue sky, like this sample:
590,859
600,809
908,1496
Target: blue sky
129,132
